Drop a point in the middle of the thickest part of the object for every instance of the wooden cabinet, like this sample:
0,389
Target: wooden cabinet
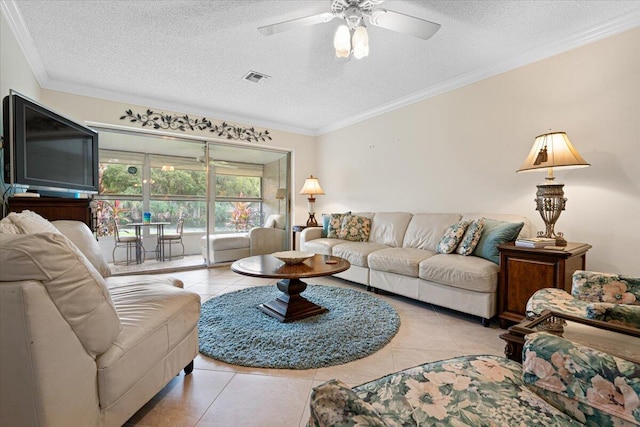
54,208
523,271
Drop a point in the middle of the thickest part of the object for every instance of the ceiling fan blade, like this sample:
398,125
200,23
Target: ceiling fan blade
402,23
280,27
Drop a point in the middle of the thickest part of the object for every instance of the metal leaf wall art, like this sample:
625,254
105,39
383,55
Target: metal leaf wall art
184,123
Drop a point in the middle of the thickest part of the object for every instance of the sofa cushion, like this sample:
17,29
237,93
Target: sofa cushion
83,238
388,228
355,228
471,237
495,233
156,318
459,271
452,237
322,246
426,229
29,222
355,252
75,286
403,261
524,232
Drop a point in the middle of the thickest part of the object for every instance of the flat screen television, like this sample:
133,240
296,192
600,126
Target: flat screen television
45,151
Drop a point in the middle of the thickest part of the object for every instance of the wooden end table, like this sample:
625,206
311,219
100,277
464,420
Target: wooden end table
618,340
298,229
523,271
290,305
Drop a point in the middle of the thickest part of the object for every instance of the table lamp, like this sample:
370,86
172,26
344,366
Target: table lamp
312,188
551,150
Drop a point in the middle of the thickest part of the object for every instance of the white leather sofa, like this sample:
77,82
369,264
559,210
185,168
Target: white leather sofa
270,238
77,347
400,257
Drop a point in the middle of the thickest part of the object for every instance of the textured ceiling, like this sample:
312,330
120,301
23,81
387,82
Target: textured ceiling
190,56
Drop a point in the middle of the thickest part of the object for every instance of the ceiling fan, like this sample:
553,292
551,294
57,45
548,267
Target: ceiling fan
352,36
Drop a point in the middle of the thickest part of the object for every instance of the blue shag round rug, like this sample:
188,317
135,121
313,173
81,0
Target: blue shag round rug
231,329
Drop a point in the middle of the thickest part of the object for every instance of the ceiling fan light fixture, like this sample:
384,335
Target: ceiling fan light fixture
342,41
360,42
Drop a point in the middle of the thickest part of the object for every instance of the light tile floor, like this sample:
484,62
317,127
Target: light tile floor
219,394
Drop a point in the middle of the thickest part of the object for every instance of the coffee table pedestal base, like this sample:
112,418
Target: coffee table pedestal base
290,306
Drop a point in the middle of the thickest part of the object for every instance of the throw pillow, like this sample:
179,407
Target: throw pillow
471,237
325,224
452,237
335,223
495,233
30,223
355,228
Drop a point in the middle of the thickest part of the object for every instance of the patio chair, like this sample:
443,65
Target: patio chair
132,244
171,239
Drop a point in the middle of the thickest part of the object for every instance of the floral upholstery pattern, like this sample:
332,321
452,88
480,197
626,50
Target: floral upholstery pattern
355,228
471,237
452,237
594,296
602,287
594,387
464,391
335,223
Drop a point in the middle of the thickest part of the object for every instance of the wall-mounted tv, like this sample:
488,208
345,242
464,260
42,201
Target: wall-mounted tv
46,151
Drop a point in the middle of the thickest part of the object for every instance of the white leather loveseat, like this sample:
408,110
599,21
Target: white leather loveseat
270,238
77,347
400,257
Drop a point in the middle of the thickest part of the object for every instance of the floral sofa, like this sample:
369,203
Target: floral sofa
79,347
439,258
560,383
594,295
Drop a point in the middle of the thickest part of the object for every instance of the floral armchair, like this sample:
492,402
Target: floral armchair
594,295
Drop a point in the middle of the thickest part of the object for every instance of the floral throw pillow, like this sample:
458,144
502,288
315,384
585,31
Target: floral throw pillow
471,237
335,223
355,228
452,237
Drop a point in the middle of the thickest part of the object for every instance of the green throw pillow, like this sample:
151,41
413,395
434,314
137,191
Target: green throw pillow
325,224
496,233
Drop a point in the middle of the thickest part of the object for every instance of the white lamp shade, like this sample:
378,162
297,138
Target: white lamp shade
552,150
311,187
281,193
342,41
360,42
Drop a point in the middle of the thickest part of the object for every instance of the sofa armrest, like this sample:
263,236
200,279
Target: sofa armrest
265,240
604,287
47,375
592,386
310,233
335,404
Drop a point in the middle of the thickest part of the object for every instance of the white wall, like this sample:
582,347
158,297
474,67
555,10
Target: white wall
458,152
15,71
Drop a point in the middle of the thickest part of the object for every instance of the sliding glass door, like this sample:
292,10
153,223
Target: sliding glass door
218,188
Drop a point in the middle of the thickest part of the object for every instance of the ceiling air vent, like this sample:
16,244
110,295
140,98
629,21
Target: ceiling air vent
255,77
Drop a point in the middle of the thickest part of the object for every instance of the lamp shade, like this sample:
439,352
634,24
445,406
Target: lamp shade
360,42
552,150
311,187
342,41
281,193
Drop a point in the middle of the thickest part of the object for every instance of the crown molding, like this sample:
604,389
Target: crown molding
607,29
21,33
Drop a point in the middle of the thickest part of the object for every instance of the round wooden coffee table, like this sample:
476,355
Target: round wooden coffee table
290,305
